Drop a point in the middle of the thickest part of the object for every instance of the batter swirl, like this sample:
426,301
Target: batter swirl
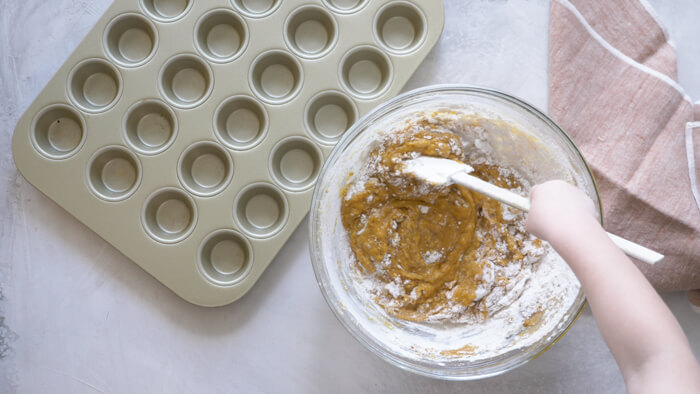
429,244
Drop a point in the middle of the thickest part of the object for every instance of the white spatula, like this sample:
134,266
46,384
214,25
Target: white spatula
445,171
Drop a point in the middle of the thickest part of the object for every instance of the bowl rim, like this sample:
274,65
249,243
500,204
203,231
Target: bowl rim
319,268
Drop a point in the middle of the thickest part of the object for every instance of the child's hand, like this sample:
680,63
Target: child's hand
556,209
647,342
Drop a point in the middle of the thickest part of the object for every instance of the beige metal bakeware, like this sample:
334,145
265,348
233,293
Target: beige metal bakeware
189,134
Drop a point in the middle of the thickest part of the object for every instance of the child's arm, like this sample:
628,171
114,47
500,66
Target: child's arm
648,343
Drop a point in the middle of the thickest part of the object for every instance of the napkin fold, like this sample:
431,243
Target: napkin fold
613,87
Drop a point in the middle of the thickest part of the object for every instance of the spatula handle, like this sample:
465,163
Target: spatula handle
507,197
490,190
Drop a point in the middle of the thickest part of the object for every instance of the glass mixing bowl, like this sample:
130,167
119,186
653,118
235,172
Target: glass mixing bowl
535,144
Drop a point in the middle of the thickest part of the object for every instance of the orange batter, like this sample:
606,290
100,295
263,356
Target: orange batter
427,243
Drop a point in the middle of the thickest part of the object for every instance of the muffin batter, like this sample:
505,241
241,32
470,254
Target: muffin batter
439,251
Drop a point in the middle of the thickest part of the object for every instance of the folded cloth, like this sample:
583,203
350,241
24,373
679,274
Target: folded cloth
613,87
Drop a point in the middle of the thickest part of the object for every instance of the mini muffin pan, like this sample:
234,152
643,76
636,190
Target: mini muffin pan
189,134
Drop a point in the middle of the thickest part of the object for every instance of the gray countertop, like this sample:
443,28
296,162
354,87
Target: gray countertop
77,316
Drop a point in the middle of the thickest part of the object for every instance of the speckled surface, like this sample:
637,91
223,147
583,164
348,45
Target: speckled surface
76,316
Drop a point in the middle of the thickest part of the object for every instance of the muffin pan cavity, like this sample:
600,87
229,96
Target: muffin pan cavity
94,85
150,127
205,169
186,81
241,122
130,40
225,257
295,163
346,6
114,173
276,77
166,10
328,115
400,27
58,132
190,135
366,72
311,32
169,215
256,8
221,35
261,210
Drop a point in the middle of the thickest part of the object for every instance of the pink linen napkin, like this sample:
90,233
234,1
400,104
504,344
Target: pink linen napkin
613,87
